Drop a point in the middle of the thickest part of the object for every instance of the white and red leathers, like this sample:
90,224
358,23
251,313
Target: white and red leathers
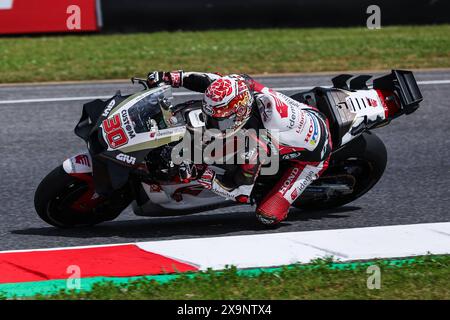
303,139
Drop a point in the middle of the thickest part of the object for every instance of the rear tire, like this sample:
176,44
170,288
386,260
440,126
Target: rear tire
367,150
57,192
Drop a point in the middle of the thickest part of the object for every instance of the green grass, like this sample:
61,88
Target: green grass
426,277
83,57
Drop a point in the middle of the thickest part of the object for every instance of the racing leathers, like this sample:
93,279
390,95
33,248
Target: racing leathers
299,134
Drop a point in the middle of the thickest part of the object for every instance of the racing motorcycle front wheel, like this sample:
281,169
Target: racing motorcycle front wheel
66,201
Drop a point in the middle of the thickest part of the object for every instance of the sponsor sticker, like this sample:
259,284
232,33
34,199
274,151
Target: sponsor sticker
292,155
372,102
294,194
305,182
109,108
127,124
126,158
313,132
83,160
290,180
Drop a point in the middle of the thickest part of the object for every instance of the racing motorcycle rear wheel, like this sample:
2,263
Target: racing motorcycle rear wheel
66,201
360,164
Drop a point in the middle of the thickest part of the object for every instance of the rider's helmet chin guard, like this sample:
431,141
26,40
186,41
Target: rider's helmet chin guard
227,106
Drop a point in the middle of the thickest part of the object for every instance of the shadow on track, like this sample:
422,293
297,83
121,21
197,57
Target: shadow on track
191,226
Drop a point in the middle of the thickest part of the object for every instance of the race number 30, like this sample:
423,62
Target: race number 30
115,134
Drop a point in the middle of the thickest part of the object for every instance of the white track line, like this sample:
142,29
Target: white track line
86,98
78,98
69,248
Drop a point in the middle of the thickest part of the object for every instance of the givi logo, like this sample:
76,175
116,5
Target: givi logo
6,4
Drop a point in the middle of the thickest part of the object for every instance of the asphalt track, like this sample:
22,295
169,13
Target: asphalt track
37,135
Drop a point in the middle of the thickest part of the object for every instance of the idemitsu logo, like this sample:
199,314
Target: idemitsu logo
6,4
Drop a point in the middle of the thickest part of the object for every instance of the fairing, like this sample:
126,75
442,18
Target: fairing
142,122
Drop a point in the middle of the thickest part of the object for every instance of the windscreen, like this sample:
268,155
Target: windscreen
151,110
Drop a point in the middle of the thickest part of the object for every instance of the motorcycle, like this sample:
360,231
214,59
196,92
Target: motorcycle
127,138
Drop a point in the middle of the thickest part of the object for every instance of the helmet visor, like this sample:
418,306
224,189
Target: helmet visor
221,124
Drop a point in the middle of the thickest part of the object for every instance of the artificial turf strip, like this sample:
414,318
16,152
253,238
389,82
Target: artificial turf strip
426,277
88,57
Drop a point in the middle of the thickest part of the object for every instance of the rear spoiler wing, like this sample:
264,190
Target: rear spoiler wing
405,85
400,81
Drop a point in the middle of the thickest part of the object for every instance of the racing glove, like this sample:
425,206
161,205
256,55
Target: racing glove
174,78
207,179
187,171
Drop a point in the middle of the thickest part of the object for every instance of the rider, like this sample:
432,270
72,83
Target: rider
237,102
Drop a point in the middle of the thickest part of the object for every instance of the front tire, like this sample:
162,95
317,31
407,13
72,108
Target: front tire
56,195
